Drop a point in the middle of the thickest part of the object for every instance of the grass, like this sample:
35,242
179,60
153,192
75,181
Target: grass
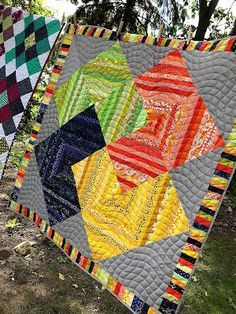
212,289
213,286
232,191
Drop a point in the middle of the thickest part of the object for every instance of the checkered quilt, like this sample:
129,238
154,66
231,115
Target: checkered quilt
25,43
130,156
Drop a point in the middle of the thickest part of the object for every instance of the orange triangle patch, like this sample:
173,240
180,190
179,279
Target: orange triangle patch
180,128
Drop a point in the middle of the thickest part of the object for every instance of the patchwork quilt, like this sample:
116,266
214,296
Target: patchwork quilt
25,43
130,156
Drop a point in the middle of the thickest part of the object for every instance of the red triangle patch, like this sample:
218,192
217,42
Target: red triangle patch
180,128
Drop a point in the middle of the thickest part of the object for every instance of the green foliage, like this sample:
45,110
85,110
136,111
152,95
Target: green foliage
212,289
12,224
37,6
145,16
137,15
141,16
17,151
232,192
221,23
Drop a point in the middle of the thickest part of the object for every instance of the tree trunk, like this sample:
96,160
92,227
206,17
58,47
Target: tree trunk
127,16
205,14
233,30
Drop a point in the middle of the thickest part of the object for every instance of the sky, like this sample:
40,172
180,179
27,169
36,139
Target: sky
227,4
63,6
60,7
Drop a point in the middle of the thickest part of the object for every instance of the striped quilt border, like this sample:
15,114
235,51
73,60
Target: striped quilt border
133,302
203,220
201,226
225,44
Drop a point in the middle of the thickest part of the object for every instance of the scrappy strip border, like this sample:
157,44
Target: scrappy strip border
204,218
227,44
201,226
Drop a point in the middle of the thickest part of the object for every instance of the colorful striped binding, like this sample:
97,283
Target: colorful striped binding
227,44
203,220
202,225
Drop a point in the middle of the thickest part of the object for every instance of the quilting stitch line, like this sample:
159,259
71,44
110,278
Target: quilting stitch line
197,235
201,227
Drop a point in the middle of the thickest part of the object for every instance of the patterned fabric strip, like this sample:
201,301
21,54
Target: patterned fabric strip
103,81
227,44
135,162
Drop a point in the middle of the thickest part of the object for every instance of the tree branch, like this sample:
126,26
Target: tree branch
233,30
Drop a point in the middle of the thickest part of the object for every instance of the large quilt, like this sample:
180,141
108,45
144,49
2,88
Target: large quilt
130,156
25,43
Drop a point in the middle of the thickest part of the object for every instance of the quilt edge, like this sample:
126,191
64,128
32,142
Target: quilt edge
218,45
35,87
203,221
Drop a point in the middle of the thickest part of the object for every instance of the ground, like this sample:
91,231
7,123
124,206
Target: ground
46,281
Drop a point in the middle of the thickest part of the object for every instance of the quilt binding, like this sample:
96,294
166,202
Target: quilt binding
226,44
206,215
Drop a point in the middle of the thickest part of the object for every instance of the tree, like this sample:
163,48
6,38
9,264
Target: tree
36,6
145,16
233,30
206,10
137,15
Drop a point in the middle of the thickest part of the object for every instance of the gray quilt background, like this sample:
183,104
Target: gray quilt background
146,271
